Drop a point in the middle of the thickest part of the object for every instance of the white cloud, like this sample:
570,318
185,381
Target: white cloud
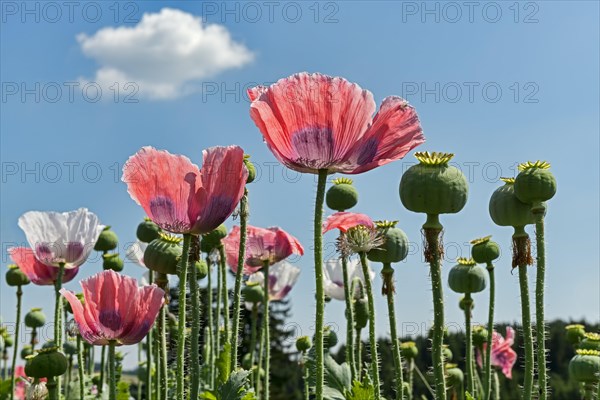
166,54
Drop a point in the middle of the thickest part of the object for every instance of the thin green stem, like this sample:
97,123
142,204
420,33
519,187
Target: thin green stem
162,281
267,335
80,367
349,318
411,387
320,311
52,386
261,350
195,334
149,346
69,373
432,229
372,335
422,377
496,386
209,316
33,339
490,329
527,339
358,355
237,291
388,277
468,301
16,340
183,267
139,382
218,311
306,377
158,370
253,319
224,292
539,303
112,381
102,369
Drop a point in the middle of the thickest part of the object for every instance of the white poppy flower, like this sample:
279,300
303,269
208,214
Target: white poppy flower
282,277
135,253
333,276
57,238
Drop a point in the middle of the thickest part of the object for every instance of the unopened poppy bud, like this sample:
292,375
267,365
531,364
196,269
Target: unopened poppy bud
484,250
147,231
342,195
575,333
585,366
454,375
447,353
253,293
409,350
330,338
361,313
163,254
201,269
480,334
49,363
69,348
247,361
112,261
251,169
107,240
16,277
212,239
35,318
303,344
8,341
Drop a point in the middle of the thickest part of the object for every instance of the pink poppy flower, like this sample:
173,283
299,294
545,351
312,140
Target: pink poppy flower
21,381
115,308
271,244
314,121
503,356
346,220
38,272
181,198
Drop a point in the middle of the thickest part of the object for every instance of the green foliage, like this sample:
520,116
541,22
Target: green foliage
123,391
361,391
235,388
224,364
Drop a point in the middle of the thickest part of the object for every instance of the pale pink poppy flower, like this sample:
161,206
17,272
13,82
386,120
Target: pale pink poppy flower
262,245
333,276
115,308
181,198
503,356
66,238
313,121
38,272
346,220
135,253
282,278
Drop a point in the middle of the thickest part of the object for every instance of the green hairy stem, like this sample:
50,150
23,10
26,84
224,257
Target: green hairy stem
224,292
149,346
527,337
183,266
490,329
112,382
349,318
539,304
16,349
388,277
194,335
238,280
266,332
80,367
372,336
469,344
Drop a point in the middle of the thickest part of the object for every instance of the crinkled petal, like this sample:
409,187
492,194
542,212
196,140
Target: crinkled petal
346,220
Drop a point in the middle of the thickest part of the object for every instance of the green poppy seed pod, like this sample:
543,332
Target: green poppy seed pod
112,261
201,269
253,293
506,209
212,239
484,250
409,350
454,375
590,342
432,186
48,363
67,305
163,254
69,348
575,333
251,169
479,336
247,362
395,245
342,195
49,344
303,344
35,318
585,366
466,303
467,277
330,338
535,183
361,313
447,353
16,277
26,351
147,231
107,240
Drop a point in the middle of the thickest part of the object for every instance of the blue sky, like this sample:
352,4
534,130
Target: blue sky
496,84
